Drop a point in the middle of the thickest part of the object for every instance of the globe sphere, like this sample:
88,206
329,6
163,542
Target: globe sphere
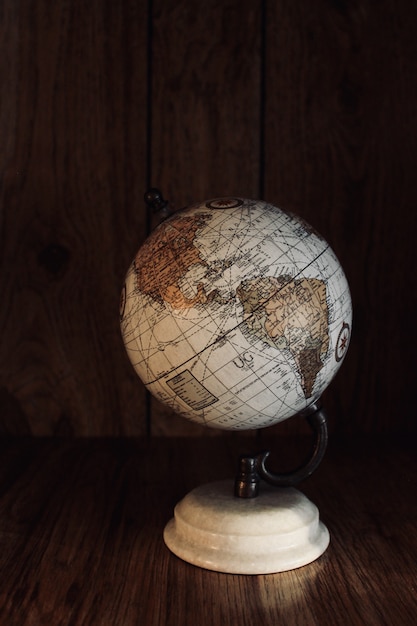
236,314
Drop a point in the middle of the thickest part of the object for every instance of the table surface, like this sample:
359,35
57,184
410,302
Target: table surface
81,524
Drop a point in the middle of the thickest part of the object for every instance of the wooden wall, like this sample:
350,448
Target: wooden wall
309,105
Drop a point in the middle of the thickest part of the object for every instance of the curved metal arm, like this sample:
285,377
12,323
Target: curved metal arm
317,420
252,469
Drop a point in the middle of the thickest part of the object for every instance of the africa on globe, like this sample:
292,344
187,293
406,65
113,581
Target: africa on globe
235,313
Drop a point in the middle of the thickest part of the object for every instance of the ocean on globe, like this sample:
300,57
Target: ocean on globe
235,313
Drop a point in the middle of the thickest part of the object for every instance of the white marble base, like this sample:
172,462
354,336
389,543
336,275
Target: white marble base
277,531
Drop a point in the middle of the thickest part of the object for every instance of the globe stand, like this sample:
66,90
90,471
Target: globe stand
238,528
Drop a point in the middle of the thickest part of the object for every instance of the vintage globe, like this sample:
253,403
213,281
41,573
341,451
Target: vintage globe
236,314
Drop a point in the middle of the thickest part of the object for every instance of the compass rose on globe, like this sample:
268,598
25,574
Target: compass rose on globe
236,314
342,342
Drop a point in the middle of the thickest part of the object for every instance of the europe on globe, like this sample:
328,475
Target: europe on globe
236,314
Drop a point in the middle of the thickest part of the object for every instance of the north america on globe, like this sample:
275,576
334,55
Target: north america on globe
173,254
235,313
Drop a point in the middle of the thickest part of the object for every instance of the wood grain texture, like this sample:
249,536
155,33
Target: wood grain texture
81,526
340,150
206,98
313,108
206,72
73,129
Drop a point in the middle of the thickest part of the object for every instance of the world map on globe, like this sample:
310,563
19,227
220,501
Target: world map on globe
235,313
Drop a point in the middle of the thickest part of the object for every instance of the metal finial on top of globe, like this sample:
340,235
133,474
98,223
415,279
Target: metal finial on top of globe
235,313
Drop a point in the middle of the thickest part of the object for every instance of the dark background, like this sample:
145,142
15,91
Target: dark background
310,105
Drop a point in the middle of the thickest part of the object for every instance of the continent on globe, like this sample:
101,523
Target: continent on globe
289,314
166,256
235,313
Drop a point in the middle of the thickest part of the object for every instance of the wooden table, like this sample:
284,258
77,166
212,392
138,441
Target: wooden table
81,526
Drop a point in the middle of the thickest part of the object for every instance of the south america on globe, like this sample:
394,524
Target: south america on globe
236,314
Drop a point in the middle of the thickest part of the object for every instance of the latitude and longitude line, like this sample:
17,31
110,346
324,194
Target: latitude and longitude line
237,326
234,265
